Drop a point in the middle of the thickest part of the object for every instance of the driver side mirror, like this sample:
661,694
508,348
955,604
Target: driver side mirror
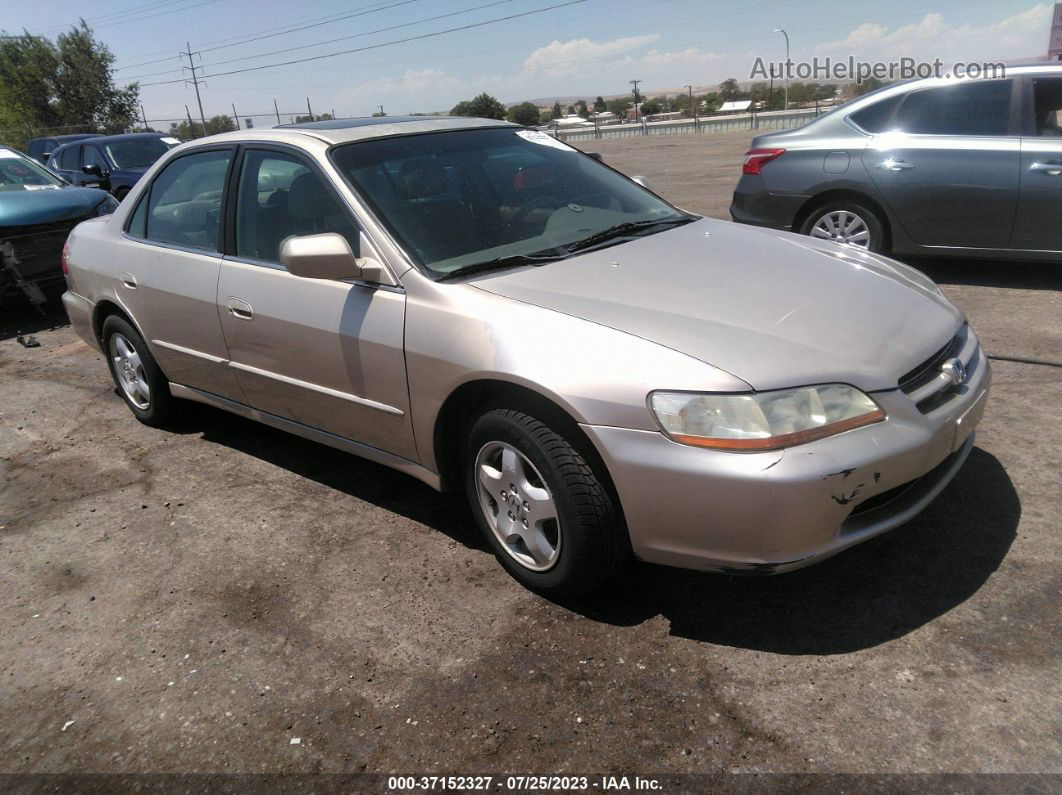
329,256
93,170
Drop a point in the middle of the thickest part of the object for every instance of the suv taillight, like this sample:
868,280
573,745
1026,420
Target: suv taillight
64,259
755,159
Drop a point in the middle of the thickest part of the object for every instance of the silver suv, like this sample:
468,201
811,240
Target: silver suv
486,308
969,167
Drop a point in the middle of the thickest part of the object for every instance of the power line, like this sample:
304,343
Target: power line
365,33
122,12
382,44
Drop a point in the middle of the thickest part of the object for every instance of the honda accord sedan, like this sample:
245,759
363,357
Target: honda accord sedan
485,308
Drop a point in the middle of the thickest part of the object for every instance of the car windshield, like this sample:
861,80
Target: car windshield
474,199
138,152
18,172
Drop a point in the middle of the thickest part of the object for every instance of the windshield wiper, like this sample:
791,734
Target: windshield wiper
502,262
625,229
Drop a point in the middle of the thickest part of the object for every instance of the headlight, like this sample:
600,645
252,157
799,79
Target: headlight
763,420
105,207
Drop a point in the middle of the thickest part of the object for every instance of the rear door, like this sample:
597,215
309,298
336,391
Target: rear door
167,276
1039,222
948,166
324,353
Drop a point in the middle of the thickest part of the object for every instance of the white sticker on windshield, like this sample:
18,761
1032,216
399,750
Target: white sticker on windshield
539,137
168,140
10,155
41,187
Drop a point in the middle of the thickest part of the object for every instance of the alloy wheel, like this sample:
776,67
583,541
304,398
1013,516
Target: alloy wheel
842,226
518,506
130,371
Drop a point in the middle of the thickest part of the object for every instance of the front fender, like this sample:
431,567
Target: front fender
456,334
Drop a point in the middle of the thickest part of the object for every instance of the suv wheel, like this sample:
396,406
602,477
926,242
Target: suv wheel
846,222
546,515
140,382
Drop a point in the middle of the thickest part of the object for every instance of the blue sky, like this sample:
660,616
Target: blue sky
583,49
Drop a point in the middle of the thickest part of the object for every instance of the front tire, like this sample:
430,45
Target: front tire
543,510
846,222
137,375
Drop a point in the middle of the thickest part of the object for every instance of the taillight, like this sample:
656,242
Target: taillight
64,259
755,159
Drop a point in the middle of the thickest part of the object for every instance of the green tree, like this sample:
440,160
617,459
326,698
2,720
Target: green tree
599,105
215,124
525,113
483,106
729,90
651,106
64,86
618,106
582,109
557,112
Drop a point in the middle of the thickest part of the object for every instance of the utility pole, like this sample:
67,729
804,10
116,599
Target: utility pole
235,117
143,116
191,127
691,109
309,109
382,111
195,81
275,108
636,113
787,67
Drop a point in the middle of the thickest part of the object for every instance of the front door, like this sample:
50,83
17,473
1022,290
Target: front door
948,167
168,274
1040,206
323,353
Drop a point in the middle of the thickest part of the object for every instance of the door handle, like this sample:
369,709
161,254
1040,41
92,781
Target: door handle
128,280
894,165
1050,169
240,309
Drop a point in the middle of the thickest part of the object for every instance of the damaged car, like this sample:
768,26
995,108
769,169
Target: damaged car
37,212
488,309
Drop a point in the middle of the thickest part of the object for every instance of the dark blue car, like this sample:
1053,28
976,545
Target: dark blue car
37,212
112,162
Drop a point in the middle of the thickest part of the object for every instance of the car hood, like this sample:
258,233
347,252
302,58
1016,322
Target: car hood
46,206
771,308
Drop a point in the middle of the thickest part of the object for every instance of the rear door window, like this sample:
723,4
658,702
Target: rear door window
1047,106
974,107
184,207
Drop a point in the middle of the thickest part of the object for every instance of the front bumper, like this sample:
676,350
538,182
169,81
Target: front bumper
776,511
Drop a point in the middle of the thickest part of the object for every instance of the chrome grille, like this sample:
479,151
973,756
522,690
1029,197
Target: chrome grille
927,384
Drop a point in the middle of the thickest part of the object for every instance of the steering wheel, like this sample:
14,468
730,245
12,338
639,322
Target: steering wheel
533,204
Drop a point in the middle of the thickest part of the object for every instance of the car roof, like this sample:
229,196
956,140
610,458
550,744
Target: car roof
337,131
125,136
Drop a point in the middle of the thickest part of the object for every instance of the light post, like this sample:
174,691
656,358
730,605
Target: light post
779,30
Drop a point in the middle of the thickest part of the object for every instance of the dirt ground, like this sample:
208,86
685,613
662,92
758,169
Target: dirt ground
226,598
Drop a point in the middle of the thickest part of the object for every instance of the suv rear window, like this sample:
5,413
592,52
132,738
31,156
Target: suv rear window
976,107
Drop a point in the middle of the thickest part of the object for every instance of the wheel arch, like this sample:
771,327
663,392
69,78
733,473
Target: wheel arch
472,398
103,310
841,194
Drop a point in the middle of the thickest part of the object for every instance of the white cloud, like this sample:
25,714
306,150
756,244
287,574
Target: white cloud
1021,35
566,57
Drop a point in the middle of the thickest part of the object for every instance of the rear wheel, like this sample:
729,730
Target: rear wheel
140,382
540,505
846,222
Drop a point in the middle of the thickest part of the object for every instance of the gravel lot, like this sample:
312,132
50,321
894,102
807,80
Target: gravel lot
227,598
